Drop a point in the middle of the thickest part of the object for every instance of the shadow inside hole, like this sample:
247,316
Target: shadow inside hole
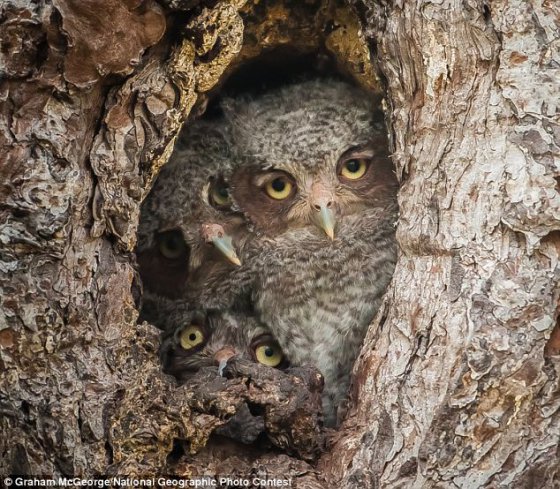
271,70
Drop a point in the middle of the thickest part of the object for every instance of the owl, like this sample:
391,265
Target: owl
314,178
195,340
198,339
188,232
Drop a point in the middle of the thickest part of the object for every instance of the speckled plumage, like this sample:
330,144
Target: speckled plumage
179,202
317,296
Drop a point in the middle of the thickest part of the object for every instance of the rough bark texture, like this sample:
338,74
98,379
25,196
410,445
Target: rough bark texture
455,386
458,383
93,95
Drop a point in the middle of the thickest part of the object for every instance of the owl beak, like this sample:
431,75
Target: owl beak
224,244
222,356
215,234
326,221
321,200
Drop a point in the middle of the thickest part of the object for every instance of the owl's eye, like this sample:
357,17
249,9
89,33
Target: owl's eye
269,353
171,244
354,169
192,336
219,194
279,188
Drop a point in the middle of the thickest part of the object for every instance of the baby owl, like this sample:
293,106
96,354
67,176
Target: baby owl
188,233
314,179
197,339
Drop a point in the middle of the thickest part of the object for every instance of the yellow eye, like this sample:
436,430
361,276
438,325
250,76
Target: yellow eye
269,354
192,336
279,189
219,194
171,244
354,169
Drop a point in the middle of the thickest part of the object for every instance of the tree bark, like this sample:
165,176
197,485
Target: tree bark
455,386
458,381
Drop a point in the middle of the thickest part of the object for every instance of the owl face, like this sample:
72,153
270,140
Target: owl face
321,164
340,185
210,339
187,221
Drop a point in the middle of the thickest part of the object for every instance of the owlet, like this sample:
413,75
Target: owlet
188,233
197,339
314,178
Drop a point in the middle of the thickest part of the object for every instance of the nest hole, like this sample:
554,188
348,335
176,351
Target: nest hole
323,42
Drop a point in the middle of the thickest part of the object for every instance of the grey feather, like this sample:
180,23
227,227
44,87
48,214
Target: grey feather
317,296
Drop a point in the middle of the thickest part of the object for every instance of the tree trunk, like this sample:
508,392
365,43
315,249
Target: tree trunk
456,386
458,382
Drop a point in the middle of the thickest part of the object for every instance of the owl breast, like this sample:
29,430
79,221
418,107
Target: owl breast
319,298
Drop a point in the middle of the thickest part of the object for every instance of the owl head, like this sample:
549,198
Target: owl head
204,339
309,155
187,221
